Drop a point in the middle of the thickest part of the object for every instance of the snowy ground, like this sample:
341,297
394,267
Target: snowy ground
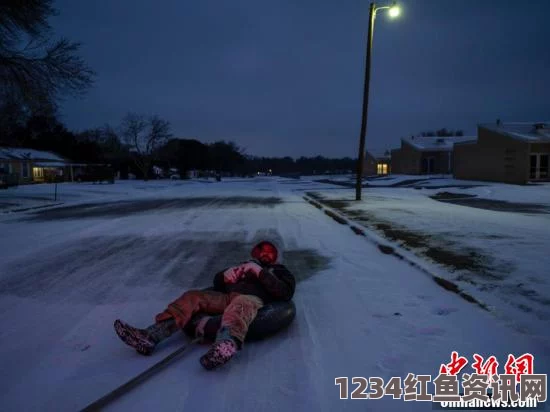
125,250
498,254
24,197
396,180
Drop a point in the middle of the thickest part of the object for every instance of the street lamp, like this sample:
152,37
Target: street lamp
393,11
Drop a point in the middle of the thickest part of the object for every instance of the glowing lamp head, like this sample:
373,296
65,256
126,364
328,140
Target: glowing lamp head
394,11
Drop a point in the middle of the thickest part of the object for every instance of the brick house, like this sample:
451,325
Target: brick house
425,155
376,165
509,153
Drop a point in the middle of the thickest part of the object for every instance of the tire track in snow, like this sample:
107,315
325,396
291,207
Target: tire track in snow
296,223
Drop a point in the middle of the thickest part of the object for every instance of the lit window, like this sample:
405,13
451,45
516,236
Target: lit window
382,168
37,172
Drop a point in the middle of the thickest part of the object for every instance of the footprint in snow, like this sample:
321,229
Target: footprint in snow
444,311
81,347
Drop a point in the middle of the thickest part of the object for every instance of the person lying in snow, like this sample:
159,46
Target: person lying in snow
239,292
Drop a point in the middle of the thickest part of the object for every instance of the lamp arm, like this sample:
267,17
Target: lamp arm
382,8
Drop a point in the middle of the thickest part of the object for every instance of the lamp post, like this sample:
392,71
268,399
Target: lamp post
393,12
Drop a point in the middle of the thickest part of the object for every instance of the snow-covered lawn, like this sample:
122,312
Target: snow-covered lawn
66,273
499,256
436,180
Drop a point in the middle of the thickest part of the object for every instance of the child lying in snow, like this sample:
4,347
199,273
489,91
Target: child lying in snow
239,292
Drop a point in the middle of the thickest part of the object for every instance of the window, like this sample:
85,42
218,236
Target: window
382,168
533,167
428,165
543,166
538,166
37,173
25,169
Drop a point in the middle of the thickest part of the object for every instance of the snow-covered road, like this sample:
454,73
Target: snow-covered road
67,273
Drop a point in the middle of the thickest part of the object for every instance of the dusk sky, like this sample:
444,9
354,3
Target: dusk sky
286,77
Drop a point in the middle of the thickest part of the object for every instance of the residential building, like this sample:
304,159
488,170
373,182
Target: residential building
36,166
425,155
376,165
505,152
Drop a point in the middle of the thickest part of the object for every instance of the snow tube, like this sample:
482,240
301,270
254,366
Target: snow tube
270,319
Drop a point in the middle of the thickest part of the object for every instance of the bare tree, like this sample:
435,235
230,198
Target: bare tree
33,68
144,137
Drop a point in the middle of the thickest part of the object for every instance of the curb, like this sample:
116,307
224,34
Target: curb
337,218
32,208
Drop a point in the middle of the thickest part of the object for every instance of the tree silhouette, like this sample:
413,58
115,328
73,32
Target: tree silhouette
36,71
144,137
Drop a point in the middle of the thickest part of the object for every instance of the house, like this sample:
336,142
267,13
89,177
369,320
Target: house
36,166
7,167
376,165
505,152
193,174
425,155
24,164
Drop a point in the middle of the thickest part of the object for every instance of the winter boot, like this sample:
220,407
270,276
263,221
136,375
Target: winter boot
139,339
219,354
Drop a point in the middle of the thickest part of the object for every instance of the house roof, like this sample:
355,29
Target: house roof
526,131
436,144
21,153
51,164
377,154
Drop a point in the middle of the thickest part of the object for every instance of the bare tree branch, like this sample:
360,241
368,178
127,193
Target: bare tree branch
145,138
33,68
24,16
159,134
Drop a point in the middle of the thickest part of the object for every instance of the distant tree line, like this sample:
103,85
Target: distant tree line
139,143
